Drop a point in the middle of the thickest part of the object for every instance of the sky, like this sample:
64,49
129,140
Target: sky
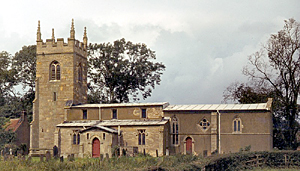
204,44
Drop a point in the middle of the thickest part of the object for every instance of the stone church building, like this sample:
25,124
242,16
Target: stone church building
63,119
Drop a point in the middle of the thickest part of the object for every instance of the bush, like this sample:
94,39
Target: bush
250,160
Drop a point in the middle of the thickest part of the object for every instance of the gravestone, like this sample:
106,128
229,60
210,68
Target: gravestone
48,156
55,152
41,158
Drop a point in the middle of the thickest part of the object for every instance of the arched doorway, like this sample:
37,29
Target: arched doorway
189,145
96,148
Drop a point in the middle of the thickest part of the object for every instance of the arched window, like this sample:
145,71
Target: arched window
174,131
237,125
76,138
80,73
142,137
54,71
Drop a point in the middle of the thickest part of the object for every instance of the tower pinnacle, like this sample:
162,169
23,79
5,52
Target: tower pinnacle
53,38
38,34
85,39
72,32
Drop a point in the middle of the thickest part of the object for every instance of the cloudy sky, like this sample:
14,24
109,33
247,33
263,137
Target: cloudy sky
204,44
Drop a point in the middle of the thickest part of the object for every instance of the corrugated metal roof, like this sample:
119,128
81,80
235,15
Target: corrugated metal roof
164,104
214,107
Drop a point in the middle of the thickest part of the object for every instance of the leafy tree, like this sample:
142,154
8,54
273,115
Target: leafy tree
7,137
7,75
24,62
275,68
121,71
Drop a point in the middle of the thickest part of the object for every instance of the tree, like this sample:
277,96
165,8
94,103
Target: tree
276,68
121,71
7,137
24,62
7,74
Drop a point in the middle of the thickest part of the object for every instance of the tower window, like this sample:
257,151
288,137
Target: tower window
144,113
54,96
79,73
55,71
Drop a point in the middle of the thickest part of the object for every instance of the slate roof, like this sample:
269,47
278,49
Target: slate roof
164,104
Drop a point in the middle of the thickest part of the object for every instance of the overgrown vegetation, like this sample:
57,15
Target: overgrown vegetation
179,162
286,160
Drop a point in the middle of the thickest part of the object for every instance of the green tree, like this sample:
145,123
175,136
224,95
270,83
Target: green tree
122,70
24,63
275,68
7,75
7,137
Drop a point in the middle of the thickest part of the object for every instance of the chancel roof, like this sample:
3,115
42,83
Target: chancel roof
215,107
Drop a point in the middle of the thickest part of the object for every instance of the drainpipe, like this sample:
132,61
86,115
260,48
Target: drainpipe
219,131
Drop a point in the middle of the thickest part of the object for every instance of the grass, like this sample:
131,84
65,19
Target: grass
179,162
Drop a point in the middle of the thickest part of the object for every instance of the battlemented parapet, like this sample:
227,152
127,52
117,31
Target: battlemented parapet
59,46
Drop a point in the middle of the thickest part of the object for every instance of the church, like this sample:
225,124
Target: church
63,120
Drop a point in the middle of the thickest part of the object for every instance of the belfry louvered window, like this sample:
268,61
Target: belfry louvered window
55,71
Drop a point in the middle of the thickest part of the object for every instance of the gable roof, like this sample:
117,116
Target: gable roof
106,129
13,124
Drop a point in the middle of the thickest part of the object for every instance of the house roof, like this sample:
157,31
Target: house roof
221,107
164,104
13,124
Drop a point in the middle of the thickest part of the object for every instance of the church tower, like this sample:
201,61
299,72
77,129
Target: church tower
61,77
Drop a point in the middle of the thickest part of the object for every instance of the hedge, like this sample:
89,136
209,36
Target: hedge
250,160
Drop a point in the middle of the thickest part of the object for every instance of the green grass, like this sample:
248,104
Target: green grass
180,162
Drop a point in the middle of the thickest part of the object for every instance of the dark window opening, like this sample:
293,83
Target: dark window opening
114,114
175,131
55,71
103,136
144,113
204,124
84,114
142,137
54,96
74,138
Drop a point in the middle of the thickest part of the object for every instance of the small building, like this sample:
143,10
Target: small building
20,126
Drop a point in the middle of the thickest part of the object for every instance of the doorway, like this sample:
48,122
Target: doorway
189,145
96,148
